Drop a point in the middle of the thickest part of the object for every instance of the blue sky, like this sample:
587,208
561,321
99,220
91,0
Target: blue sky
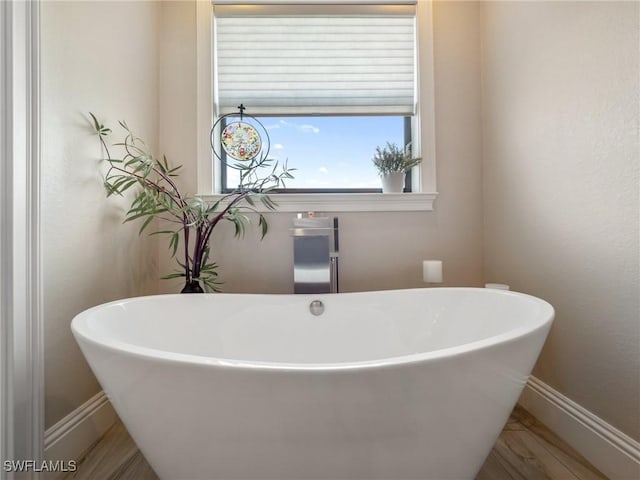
331,152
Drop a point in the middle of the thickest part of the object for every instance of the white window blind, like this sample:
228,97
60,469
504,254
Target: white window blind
308,59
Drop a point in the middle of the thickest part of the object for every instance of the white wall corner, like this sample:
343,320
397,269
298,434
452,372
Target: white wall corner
21,329
609,450
72,436
204,93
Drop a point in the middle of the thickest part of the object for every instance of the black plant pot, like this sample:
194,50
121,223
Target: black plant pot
192,287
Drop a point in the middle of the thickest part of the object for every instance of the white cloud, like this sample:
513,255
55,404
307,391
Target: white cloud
278,146
308,128
304,128
323,170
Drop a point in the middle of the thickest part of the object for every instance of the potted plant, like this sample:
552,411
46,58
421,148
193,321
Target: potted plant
157,196
392,164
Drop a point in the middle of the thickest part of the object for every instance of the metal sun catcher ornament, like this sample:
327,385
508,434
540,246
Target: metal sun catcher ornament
240,140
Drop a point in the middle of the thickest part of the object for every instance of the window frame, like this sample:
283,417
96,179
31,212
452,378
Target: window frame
423,179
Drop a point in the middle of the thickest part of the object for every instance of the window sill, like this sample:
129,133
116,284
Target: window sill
347,202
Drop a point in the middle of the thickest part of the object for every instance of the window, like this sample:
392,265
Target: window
328,82
331,154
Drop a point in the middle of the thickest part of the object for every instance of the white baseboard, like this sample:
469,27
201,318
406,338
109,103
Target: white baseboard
612,452
74,434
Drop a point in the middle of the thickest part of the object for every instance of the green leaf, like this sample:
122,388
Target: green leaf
136,216
213,208
239,221
125,184
134,160
173,275
145,224
161,232
96,124
205,257
264,226
267,202
98,127
173,244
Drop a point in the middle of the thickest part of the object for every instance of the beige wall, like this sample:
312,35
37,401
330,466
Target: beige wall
561,122
89,257
98,57
378,250
558,130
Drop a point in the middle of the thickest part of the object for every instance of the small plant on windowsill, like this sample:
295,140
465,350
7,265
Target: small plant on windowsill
392,164
157,196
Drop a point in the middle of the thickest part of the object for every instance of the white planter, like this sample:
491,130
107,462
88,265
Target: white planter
393,182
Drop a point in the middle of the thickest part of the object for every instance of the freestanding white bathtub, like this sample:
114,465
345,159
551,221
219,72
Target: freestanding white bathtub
404,384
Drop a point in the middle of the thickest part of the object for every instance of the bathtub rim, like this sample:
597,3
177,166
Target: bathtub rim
544,321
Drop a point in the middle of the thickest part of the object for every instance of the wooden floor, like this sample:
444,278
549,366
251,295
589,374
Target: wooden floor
526,450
